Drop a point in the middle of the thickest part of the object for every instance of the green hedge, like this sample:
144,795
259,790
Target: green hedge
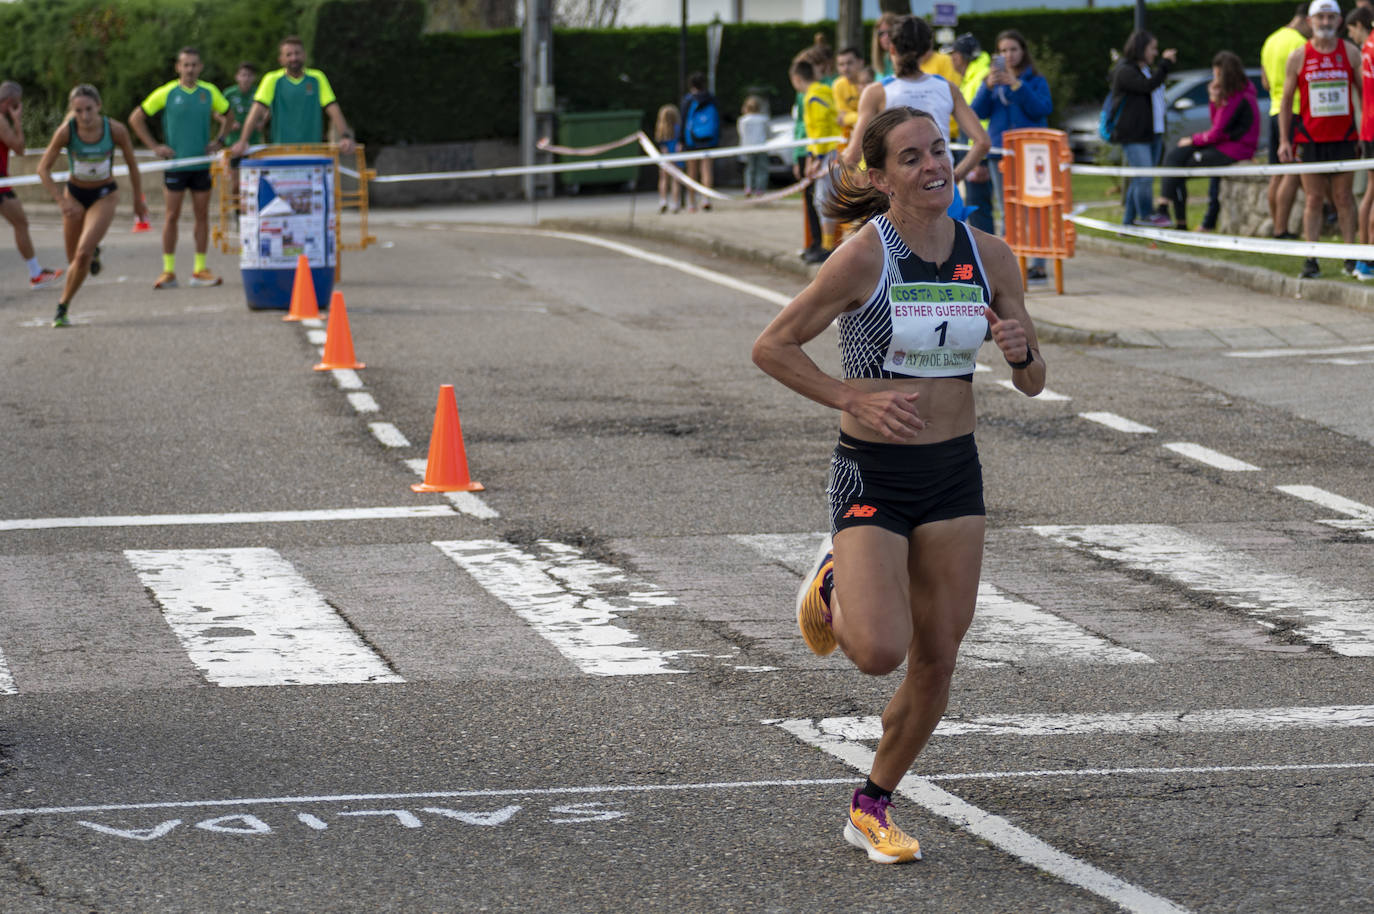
398,85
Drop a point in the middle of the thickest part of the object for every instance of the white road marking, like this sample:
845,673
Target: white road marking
470,503
994,829
244,517
1210,457
1119,423
1360,517
7,686
312,322
1005,630
363,403
1285,353
246,617
566,599
1046,394
388,434
1128,723
1344,362
317,337
347,379
719,279
1317,612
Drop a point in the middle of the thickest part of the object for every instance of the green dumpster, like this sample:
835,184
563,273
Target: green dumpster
593,128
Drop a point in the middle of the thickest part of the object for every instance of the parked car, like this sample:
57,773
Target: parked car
1186,113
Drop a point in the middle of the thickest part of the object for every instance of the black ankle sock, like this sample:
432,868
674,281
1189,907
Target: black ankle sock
874,792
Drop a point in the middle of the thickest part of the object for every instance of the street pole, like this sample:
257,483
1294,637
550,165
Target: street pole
682,55
1140,14
849,26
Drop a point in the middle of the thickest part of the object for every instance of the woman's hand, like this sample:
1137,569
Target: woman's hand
1185,141
1009,336
69,207
890,413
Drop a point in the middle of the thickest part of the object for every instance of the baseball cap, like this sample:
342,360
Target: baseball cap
967,45
1323,6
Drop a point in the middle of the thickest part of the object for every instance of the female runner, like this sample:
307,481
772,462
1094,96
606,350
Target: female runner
88,204
914,293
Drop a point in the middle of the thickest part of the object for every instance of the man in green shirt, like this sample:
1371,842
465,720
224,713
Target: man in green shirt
189,106
240,98
295,98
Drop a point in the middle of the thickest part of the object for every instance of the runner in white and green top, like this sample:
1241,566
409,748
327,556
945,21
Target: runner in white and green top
294,98
189,106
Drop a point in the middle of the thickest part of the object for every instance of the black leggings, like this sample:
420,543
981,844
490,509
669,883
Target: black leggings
1175,189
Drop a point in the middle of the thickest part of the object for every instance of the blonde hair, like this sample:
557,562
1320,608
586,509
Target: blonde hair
85,90
665,128
753,105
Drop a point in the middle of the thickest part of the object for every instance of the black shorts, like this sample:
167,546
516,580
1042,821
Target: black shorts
1274,136
197,180
7,194
1339,151
901,486
87,196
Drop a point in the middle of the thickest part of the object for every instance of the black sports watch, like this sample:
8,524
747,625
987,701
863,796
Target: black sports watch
1030,357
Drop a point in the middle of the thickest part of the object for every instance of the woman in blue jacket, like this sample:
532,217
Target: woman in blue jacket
1013,95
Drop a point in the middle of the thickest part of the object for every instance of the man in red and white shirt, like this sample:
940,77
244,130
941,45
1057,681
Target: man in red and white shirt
1359,24
1323,75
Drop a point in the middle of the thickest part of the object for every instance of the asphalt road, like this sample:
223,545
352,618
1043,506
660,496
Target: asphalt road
581,688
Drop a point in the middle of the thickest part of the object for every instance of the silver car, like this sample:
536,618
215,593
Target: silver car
1186,113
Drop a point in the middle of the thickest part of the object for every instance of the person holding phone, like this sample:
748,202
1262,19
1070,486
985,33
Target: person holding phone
1013,96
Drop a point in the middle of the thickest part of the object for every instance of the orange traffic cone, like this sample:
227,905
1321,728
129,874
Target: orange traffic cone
338,340
447,470
303,302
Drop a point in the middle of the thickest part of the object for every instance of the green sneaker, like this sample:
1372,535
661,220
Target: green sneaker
61,319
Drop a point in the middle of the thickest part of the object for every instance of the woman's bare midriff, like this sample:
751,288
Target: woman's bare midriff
945,405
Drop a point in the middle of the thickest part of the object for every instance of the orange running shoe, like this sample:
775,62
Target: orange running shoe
813,604
870,828
205,278
166,281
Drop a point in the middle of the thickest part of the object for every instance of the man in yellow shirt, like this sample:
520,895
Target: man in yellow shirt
846,89
1283,189
818,115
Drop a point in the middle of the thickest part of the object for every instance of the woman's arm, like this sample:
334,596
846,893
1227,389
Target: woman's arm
120,134
972,130
1221,120
60,138
871,104
1013,330
1034,97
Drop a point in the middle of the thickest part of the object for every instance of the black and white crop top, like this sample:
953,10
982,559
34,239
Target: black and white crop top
923,320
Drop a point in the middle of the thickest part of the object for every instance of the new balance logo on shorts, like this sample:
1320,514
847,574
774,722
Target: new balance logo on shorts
860,511
963,271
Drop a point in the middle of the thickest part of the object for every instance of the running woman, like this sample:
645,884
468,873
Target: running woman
88,203
12,138
913,292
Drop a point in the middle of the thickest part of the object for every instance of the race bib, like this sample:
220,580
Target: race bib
91,169
936,328
1328,98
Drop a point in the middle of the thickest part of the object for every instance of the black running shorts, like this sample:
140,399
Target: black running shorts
197,180
900,486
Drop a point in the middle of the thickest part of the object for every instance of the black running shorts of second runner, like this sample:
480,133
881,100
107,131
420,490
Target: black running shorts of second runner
197,180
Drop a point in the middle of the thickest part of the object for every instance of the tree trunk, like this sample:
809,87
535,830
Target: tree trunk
849,26
900,7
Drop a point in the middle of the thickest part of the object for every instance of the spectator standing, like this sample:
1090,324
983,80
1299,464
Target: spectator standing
1013,96
753,131
972,63
881,55
846,88
667,133
1233,136
818,112
700,130
1322,75
190,107
88,203
12,139
240,98
1359,24
1138,83
296,99
1283,189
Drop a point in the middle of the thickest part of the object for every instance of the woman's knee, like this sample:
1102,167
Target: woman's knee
874,656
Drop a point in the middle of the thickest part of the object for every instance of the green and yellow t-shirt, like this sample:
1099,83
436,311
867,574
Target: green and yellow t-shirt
297,105
241,104
186,117
1274,59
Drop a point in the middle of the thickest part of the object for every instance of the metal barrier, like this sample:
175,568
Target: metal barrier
1037,195
226,230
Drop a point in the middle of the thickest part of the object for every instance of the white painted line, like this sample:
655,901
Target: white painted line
995,830
246,617
1005,630
315,336
467,502
1210,457
1345,362
388,434
1009,631
1285,353
1128,723
1317,612
7,686
1331,501
318,824
565,598
312,322
347,378
245,517
1119,423
363,403
1046,394
720,279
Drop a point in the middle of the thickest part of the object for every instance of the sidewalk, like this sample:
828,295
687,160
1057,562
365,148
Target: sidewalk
1115,294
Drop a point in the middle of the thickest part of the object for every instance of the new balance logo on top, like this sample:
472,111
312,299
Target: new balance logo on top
963,271
861,511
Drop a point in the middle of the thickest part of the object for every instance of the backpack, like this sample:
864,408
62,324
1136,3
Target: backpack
1106,121
702,123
